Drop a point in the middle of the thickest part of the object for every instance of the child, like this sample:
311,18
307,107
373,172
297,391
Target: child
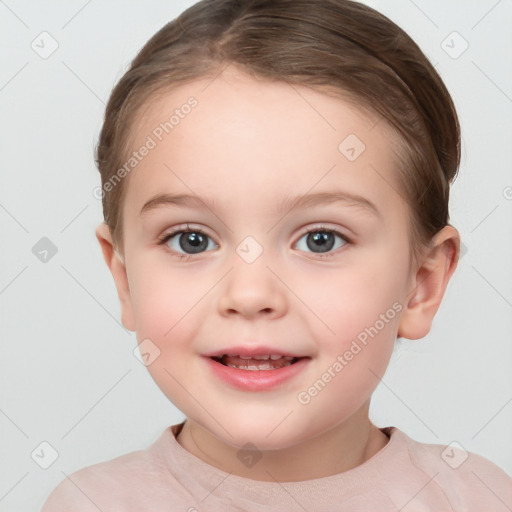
276,180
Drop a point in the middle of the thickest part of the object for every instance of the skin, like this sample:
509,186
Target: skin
251,144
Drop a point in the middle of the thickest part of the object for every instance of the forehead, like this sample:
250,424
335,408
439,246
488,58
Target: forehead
236,137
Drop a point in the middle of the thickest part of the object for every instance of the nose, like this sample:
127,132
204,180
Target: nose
252,290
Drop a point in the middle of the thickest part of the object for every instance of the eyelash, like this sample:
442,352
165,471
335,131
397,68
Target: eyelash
167,236
326,229
322,229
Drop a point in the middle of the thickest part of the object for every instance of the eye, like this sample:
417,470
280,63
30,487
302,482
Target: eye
188,241
321,240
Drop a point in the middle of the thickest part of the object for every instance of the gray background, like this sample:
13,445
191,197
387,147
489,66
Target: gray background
68,374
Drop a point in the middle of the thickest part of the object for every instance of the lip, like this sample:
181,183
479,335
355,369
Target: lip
248,350
256,380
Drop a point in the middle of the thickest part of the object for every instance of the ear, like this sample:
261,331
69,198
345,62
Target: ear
118,269
428,284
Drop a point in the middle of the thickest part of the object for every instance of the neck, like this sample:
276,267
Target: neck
340,449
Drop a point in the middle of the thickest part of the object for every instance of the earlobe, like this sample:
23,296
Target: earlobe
429,284
117,267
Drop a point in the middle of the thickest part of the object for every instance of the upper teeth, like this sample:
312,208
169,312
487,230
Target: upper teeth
274,357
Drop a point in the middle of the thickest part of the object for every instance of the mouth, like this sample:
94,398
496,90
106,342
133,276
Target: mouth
256,369
255,363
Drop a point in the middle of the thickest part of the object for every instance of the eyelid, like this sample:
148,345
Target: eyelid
183,228
336,231
324,227
304,231
311,228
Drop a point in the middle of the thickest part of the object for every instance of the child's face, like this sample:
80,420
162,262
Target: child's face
251,147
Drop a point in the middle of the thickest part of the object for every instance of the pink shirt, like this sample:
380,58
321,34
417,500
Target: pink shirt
405,476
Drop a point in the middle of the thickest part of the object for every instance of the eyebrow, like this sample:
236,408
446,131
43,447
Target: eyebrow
285,206
321,198
182,200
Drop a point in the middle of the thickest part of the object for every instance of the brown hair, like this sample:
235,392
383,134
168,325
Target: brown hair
334,45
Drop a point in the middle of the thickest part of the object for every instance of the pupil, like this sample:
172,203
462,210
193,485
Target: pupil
193,242
323,240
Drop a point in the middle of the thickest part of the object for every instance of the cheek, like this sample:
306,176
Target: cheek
351,298
359,307
167,309
362,313
160,298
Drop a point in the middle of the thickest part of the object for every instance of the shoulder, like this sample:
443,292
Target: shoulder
113,485
93,486
468,481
